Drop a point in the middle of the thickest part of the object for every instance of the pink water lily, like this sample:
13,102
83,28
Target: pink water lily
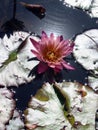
51,51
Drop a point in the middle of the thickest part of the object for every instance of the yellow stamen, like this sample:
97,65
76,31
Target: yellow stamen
51,56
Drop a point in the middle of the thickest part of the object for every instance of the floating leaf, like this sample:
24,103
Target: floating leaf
91,6
93,82
7,105
15,123
82,108
46,113
46,109
42,96
14,55
86,51
63,97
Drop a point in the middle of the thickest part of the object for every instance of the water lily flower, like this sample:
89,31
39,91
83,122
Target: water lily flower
51,51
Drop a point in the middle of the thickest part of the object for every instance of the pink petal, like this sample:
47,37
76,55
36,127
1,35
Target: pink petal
57,70
67,51
52,37
36,54
35,43
44,34
57,39
44,38
59,66
42,67
61,38
65,65
44,41
51,65
61,45
56,65
65,44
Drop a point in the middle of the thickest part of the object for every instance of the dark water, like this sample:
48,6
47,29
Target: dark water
58,19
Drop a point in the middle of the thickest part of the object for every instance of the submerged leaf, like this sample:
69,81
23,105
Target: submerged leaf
38,10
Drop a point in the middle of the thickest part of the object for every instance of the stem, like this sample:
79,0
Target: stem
14,9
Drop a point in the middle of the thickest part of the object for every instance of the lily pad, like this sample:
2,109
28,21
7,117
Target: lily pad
7,105
93,82
86,52
14,54
46,114
90,6
83,104
51,114
86,49
15,123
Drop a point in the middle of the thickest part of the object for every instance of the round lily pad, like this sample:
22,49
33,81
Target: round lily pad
65,105
83,103
93,81
86,53
86,49
7,105
46,112
90,6
14,54
16,122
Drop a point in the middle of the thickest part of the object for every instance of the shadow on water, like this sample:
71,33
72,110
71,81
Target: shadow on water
16,25
13,24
